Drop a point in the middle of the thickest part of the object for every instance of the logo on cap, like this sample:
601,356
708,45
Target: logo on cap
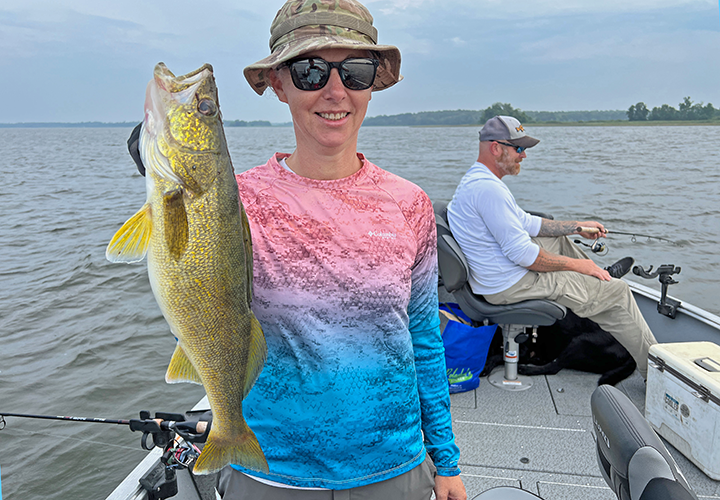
520,129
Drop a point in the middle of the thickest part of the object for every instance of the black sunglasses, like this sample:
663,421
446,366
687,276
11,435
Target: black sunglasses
519,149
313,73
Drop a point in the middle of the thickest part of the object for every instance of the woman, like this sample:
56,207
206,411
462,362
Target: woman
345,285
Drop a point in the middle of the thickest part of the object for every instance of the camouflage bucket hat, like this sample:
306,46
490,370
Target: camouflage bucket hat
301,26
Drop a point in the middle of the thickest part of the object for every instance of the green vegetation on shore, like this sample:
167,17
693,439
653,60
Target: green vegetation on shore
241,123
461,117
686,114
686,111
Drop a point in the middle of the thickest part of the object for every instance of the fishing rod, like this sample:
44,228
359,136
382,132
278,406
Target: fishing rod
169,431
594,230
50,417
158,428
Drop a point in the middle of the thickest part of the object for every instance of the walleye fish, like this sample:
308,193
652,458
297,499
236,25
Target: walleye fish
195,233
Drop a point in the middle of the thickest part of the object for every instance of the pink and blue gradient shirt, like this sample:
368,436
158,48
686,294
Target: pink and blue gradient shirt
354,389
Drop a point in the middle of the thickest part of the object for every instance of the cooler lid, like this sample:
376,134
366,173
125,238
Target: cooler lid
696,364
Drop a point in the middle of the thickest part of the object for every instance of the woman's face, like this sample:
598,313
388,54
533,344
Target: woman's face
328,118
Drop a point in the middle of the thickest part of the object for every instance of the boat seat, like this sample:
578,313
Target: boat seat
513,318
633,460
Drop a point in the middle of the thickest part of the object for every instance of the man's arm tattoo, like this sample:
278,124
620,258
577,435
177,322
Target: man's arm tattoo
557,227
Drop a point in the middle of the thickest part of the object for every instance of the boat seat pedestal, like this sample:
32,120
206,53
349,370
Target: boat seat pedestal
508,377
514,318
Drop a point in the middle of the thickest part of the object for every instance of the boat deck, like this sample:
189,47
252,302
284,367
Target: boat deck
541,439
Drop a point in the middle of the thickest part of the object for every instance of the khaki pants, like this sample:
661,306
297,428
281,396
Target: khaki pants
610,304
416,484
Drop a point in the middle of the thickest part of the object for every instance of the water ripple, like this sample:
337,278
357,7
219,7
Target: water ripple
83,336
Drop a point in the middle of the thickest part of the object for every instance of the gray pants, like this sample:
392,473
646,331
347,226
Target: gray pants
610,304
416,484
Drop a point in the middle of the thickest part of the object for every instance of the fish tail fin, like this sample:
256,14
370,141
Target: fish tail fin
256,356
130,243
243,449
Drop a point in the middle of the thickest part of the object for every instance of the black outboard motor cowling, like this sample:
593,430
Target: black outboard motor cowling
632,458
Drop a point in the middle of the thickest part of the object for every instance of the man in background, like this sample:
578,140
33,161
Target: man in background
514,256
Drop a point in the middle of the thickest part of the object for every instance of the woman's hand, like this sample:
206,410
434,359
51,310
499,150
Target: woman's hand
449,488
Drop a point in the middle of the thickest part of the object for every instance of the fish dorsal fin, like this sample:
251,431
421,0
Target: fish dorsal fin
175,223
181,369
130,243
257,354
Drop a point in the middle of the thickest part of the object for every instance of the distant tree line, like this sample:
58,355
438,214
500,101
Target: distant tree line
242,123
577,116
469,117
456,117
686,110
67,125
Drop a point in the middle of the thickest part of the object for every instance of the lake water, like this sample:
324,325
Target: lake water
81,336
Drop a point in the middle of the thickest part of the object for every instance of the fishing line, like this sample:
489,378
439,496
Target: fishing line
55,436
648,236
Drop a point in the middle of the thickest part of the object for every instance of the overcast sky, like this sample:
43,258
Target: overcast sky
90,60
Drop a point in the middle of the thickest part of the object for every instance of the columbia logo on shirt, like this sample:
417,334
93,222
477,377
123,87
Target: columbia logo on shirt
378,234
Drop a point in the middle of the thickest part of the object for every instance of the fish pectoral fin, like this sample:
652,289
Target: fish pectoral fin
181,369
242,449
176,222
248,252
256,356
130,243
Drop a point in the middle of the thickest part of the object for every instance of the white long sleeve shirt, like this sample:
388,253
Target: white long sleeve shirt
492,231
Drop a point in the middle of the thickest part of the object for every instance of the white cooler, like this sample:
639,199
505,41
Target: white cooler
682,400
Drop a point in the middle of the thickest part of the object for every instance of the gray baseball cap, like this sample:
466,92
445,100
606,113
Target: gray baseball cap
506,128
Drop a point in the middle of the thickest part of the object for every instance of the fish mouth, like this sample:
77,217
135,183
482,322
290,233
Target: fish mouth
166,91
181,87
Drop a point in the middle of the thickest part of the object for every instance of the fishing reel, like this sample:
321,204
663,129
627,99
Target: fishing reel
177,438
597,246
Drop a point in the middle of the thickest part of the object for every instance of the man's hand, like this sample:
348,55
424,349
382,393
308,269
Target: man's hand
587,266
449,488
597,230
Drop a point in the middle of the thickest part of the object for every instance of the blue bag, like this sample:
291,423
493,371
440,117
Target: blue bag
466,350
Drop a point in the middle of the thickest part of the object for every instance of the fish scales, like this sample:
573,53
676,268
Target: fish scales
195,234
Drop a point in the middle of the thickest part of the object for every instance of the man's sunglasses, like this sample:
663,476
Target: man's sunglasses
519,149
313,73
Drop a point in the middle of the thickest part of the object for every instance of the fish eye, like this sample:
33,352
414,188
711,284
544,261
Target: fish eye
207,107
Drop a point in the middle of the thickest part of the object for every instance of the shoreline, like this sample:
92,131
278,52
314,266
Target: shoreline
616,123
626,123
612,123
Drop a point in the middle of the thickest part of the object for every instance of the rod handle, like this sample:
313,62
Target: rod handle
590,230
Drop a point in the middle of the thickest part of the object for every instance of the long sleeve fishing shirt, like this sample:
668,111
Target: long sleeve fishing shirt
354,389
493,232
